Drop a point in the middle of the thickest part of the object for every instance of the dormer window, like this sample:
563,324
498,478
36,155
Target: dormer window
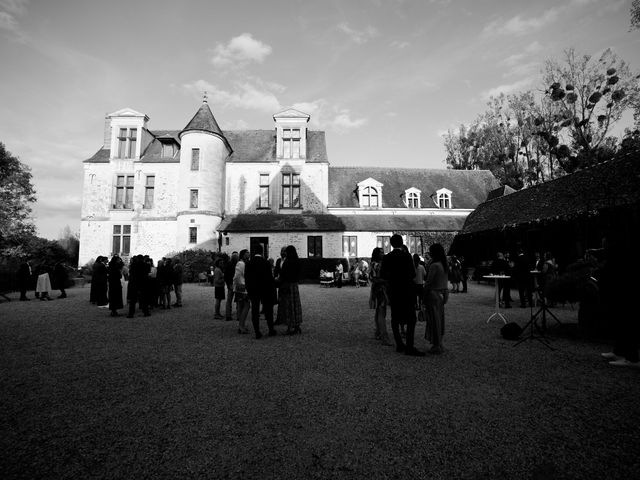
369,197
370,193
412,198
168,149
291,143
127,139
443,198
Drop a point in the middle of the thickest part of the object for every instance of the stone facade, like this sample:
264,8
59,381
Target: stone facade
163,191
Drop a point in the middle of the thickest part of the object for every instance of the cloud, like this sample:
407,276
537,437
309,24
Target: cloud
399,44
506,89
358,36
520,25
240,51
245,96
10,10
324,115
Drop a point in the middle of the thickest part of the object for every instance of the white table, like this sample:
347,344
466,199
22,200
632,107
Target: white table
497,312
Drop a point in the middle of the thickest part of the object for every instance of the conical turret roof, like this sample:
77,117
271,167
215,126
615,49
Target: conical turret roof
204,121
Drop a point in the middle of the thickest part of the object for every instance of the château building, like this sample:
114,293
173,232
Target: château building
157,192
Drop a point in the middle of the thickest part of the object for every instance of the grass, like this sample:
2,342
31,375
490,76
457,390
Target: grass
180,395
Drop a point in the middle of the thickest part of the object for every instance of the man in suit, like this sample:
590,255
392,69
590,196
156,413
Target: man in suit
398,270
261,288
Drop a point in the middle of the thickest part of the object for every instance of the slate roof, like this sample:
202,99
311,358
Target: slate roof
272,222
247,145
609,184
468,187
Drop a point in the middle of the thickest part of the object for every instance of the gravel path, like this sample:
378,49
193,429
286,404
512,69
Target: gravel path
180,395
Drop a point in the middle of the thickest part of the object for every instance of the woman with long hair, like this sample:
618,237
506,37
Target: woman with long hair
378,299
289,279
240,291
436,294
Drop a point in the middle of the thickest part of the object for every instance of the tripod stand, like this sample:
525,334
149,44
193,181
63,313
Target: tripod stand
533,324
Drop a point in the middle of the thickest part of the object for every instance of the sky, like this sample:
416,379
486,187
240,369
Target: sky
383,78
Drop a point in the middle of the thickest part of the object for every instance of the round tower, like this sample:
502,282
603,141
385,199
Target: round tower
201,196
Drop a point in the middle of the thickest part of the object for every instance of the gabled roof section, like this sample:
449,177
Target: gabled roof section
101,156
500,191
127,112
604,186
469,187
291,113
370,182
260,146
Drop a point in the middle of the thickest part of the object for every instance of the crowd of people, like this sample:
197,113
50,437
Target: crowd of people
149,286
43,279
404,283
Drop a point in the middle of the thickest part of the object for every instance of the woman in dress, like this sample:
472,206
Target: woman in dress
418,280
289,279
436,293
240,291
115,285
378,299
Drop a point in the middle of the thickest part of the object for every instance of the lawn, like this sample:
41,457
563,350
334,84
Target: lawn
181,395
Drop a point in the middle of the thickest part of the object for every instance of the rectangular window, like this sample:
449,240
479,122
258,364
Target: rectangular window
124,192
384,242
168,150
148,191
414,244
314,246
121,240
193,234
195,159
291,143
264,191
193,199
349,246
290,190
127,139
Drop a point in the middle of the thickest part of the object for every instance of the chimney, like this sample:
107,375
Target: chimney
107,133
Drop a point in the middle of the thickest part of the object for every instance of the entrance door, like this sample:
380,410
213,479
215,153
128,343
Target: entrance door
264,241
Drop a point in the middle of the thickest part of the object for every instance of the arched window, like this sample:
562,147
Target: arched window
369,197
413,200
444,200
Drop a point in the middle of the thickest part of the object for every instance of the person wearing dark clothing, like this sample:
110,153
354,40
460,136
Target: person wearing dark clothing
500,266
464,270
289,292
25,279
229,272
177,281
115,285
523,278
60,278
617,288
98,293
398,271
165,282
136,291
261,288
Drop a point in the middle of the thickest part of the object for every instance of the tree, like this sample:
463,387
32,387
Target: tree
16,196
635,14
588,97
70,242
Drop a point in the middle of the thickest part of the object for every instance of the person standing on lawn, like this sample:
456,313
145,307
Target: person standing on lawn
24,279
289,279
261,288
397,269
240,291
229,272
617,287
218,287
436,293
378,298
115,285
177,281
137,288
